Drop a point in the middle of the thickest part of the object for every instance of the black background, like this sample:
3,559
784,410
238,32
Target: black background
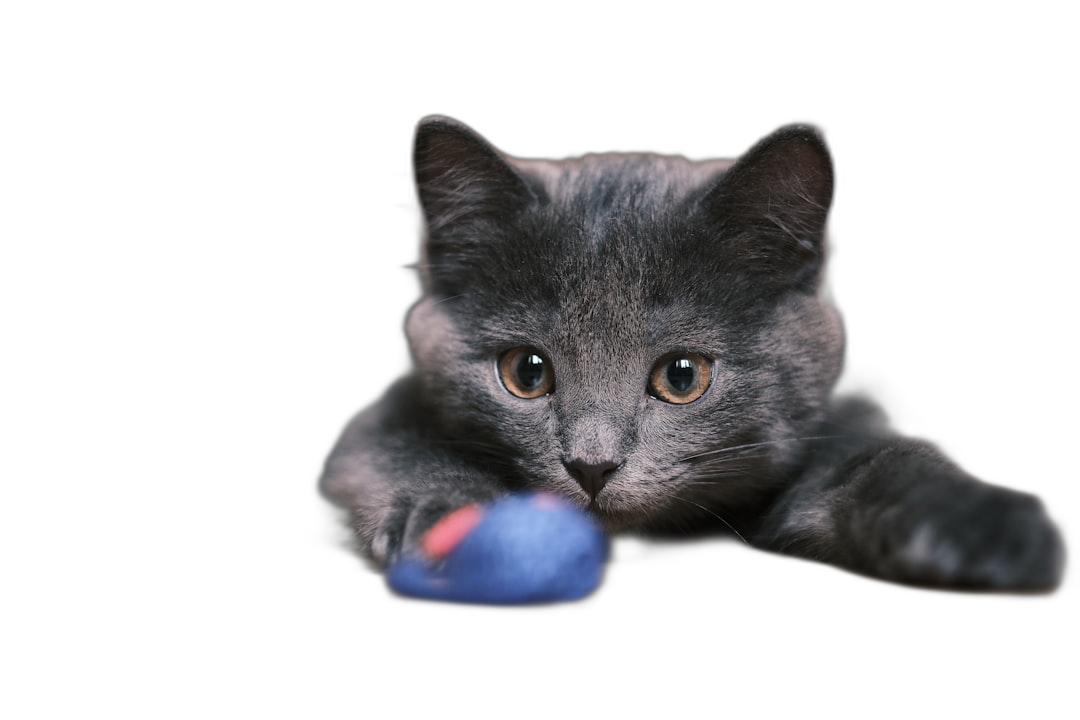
952,269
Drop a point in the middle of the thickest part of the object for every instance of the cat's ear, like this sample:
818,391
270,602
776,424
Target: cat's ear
460,176
772,204
467,189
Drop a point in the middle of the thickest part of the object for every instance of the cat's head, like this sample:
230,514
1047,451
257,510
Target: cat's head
642,333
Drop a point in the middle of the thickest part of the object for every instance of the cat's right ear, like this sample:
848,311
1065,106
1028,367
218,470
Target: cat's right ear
773,203
461,177
467,189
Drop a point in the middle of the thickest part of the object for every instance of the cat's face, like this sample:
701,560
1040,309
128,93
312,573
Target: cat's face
640,333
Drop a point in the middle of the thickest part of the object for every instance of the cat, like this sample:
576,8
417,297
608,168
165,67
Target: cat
648,337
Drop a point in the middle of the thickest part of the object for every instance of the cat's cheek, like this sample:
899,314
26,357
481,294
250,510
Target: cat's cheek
433,337
531,428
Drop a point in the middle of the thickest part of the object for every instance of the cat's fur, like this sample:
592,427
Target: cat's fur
607,263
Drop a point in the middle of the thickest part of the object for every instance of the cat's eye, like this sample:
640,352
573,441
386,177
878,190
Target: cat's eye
526,373
680,378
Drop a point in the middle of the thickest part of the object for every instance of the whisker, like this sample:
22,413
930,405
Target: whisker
718,517
747,446
719,459
725,477
856,432
440,301
492,454
468,443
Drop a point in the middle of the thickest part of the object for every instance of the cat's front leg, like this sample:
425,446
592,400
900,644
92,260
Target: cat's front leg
388,531
397,475
899,510
444,526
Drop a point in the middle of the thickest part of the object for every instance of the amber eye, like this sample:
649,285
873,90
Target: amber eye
680,378
526,373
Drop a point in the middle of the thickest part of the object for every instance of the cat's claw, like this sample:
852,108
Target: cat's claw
522,548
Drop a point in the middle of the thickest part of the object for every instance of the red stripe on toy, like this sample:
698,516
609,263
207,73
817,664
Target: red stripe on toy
450,530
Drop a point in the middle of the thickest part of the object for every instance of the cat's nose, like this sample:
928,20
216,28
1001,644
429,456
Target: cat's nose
591,476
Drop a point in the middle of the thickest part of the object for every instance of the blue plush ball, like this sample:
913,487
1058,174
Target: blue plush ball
522,548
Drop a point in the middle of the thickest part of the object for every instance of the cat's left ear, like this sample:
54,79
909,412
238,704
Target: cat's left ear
772,204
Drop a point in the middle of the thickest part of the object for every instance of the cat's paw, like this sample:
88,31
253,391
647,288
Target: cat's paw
997,540
522,548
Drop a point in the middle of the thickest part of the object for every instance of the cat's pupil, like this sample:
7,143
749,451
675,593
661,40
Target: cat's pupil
681,374
530,371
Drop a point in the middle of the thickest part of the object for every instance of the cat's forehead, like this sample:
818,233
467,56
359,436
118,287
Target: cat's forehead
614,219
596,288
611,248
620,181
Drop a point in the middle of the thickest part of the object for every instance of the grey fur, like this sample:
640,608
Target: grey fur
607,263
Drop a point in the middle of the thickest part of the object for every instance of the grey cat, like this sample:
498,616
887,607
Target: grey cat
647,336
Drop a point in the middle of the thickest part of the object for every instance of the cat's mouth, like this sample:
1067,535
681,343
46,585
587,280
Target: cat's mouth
613,518
622,503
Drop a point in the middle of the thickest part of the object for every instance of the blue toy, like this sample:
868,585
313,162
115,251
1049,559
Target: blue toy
522,548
